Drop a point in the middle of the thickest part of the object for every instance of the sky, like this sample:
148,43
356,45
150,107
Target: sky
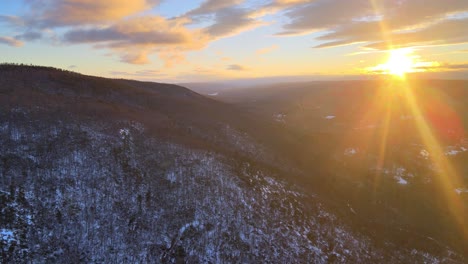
212,40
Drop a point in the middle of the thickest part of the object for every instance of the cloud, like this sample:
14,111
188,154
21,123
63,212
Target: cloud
120,25
127,30
442,33
11,41
56,13
380,23
323,14
134,57
445,67
226,17
212,6
12,20
232,21
29,35
327,14
135,39
278,5
236,67
267,50
462,66
142,31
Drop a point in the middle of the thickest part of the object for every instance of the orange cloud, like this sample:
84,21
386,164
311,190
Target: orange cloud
79,12
446,67
135,39
120,25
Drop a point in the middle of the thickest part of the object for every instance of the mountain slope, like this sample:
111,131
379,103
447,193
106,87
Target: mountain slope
99,170
362,142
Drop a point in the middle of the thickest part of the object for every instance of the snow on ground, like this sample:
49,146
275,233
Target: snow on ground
400,174
459,191
351,151
449,151
280,118
213,94
351,209
454,150
401,180
424,154
330,117
7,235
124,132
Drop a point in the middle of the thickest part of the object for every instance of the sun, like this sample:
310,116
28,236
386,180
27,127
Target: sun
399,62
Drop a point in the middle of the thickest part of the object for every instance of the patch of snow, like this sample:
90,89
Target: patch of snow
213,94
459,191
424,154
351,209
330,117
452,151
401,180
124,132
280,118
350,151
171,176
7,235
195,224
398,173
29,219
137,126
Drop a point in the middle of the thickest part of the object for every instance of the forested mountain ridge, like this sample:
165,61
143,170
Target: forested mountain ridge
100,170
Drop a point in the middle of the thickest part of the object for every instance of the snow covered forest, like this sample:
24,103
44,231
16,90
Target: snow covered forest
84,188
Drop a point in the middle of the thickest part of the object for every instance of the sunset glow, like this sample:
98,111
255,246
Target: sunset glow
206,40
400,62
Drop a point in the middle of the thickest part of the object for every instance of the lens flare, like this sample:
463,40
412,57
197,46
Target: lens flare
399,62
